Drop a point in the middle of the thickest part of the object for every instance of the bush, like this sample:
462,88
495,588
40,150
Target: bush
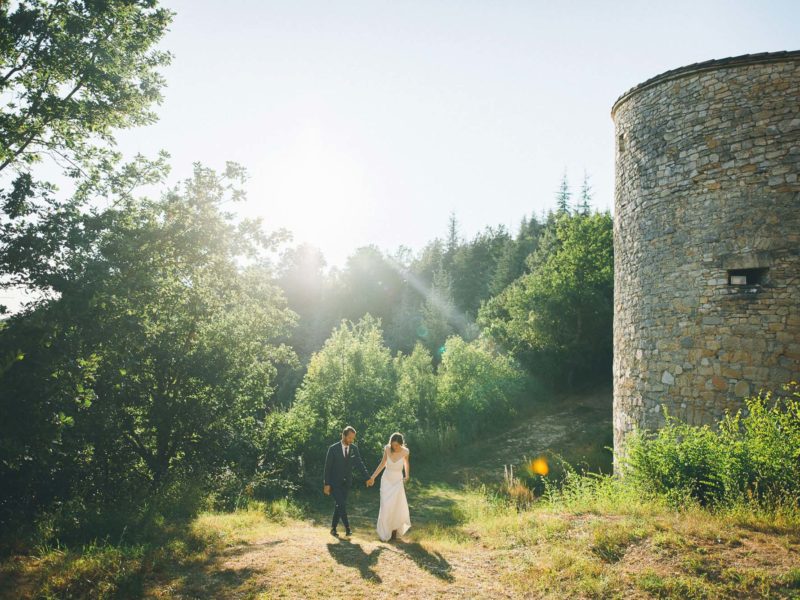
477,387
348,382
751,456
435,441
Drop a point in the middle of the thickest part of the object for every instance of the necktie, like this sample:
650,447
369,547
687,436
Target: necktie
346,452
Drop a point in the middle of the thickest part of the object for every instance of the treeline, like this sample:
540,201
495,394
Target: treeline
543,295
180,357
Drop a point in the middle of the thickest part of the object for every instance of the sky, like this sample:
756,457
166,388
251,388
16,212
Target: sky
369,122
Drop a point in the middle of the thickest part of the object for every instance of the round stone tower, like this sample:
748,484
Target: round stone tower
706,239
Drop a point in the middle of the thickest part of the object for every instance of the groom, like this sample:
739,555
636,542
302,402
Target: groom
339,476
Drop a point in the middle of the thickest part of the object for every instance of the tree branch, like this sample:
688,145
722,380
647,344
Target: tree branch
36,47
67,98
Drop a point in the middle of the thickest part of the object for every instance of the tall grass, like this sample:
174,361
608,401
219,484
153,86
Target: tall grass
745,467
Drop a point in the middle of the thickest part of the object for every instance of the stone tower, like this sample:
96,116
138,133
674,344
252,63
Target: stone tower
706,238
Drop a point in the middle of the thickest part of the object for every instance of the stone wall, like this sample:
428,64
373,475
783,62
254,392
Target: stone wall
707,164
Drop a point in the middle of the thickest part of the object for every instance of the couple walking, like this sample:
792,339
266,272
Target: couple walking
393,516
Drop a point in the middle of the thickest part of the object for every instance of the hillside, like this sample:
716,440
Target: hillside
464,543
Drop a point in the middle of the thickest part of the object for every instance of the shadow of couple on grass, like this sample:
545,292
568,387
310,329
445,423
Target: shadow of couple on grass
351,554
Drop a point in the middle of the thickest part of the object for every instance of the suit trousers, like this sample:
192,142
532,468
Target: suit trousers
339,493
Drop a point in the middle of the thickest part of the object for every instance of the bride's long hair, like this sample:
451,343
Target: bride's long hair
397,437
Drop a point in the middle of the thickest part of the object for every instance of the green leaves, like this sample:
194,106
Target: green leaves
64,420
349,380
558,317
476,385
750,457
71,73
163,349
74,71
353,380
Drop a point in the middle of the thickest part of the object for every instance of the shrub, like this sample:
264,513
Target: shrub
751,456
476,386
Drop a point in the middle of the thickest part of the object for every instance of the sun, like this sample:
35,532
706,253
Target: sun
318,187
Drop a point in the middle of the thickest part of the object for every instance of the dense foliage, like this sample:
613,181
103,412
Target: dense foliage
558,317
70,74
750,456
152,371
354,380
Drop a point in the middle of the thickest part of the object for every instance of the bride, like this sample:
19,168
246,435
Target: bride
393,517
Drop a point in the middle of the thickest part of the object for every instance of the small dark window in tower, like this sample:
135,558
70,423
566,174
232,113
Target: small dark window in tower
621,143
747,276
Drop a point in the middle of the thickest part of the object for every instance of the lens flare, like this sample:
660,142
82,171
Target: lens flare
539,466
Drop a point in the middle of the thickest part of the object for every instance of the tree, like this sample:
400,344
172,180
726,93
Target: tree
563,196
476,386
547,243
416,391
301,275
348,381
559,316
584,207
368,284
512,260
452,243
155,365
72,72
414,412
440,318
403,331
473,266
428,262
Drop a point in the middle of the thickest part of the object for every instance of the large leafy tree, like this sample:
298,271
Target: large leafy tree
416,391
71,73
477,386
155,365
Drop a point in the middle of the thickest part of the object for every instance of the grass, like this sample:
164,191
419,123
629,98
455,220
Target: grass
594,539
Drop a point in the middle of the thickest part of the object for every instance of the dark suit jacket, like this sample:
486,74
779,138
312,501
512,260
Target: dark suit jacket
339,472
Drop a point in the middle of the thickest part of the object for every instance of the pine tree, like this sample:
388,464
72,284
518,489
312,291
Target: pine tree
563,196
439,313
584,207
452,233
451,244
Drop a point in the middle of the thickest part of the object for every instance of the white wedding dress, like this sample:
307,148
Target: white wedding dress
393,513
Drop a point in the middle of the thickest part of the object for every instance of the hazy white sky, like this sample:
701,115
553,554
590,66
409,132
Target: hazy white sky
369,121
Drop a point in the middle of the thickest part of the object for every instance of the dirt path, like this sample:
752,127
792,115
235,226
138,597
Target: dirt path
304,561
